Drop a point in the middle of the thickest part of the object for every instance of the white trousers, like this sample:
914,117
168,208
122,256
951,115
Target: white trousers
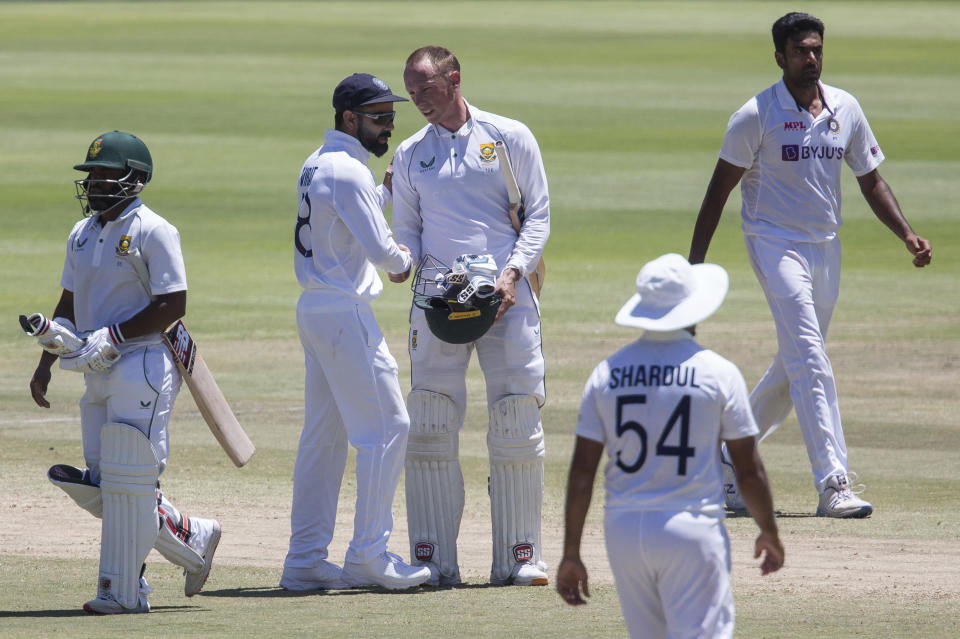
351,394
138,390
672,571
510,356
802,283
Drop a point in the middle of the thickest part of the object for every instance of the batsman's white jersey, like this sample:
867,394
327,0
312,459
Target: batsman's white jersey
106,288
141,388
351,389
791,216
660,407
449,196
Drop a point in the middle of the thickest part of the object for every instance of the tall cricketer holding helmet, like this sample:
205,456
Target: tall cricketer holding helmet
451,201
130,375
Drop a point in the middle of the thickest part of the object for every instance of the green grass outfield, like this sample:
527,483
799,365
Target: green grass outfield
629,101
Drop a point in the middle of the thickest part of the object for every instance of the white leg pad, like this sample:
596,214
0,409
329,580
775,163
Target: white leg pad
175,532
515,443
74,482
434,482
128,483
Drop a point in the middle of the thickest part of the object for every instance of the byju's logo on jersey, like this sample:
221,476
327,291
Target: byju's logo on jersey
487,154
797,152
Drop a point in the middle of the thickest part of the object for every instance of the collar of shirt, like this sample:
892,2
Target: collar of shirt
334,140
788,102
462,131
667,336
133,206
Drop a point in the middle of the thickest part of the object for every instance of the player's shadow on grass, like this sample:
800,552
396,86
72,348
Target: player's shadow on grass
275,592
79,612
742,514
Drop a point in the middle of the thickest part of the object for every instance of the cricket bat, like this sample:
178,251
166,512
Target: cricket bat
210,400
515,199
208,396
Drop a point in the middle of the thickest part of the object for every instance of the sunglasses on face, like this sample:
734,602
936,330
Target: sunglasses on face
383,119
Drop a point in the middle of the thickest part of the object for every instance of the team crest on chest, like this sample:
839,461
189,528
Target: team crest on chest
833,125
487,153
123,248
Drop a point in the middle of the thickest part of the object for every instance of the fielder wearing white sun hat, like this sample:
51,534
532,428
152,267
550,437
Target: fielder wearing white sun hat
673,294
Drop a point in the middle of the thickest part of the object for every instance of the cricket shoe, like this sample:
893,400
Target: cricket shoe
436,578
839,500
526,573
731,491
386,570
105,604
195,580
323,576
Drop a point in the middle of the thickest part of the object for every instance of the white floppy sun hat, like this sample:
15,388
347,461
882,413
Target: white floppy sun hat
673,294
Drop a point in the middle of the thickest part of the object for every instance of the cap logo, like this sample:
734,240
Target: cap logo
95,148
380,84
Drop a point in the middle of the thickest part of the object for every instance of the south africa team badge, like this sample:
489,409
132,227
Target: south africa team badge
487,153
123,248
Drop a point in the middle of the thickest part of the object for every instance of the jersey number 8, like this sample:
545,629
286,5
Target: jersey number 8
681,451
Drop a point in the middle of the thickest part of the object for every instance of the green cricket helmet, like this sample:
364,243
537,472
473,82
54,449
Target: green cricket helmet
114,150
458,302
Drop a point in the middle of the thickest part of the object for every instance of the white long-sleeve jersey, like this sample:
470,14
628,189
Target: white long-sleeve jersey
341,234
450,198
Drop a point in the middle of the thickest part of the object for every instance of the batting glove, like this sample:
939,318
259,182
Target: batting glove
98,353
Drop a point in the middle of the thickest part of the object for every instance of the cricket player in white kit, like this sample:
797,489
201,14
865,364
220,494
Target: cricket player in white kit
660,406
788,145
352,393
450,199
130,376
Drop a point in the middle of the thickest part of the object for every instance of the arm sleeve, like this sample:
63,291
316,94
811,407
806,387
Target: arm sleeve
863,152
385,196
736,419
164,260
66,277
358,204
590,420
535,212
744,134
407,223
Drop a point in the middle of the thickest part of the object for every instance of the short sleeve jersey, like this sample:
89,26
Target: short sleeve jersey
450,198
791,187
660,407
106,288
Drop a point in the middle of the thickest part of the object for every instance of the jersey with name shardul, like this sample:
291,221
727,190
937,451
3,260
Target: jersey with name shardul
660,406
450,198
341,235
793,161
106,288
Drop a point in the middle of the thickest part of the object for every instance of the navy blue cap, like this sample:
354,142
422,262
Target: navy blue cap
361,89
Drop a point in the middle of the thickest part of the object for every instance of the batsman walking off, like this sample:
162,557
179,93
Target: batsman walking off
130,375
660,406
351,392
450,200
786,147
